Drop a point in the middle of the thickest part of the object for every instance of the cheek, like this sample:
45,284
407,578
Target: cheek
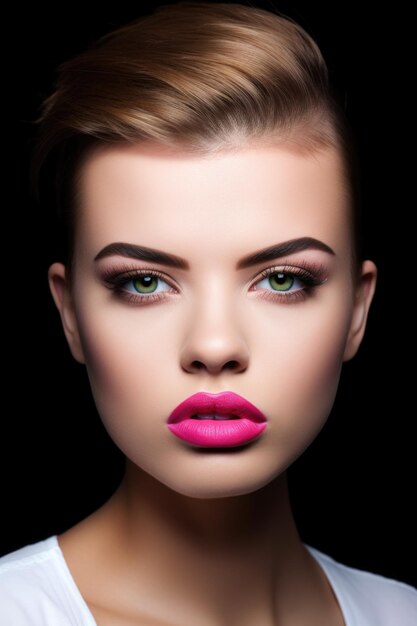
305,354
127,354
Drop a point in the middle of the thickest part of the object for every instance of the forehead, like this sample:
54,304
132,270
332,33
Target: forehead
171,199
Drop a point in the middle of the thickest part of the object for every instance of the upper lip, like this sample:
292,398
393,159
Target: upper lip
225,403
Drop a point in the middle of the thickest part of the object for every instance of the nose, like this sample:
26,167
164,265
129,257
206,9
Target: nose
213,342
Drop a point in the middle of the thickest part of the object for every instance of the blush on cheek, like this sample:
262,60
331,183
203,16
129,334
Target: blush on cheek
123,371
324,381
311,370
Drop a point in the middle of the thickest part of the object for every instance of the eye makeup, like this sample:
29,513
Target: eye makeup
307,274
117,279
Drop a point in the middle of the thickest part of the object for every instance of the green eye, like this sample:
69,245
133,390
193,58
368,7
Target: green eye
280,281
145,284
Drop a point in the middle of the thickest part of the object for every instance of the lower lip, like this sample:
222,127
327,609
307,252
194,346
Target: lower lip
217,433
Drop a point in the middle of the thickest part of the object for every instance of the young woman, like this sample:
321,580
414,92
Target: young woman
213,287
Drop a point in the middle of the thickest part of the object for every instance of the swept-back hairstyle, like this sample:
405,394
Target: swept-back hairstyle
203,76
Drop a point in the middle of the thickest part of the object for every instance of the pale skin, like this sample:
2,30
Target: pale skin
194,536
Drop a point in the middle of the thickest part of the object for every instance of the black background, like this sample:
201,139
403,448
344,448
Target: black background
352,489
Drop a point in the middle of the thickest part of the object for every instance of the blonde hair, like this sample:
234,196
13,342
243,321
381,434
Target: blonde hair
203,76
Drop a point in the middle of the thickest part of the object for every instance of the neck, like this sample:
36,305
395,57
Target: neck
238,525
222,557
232,560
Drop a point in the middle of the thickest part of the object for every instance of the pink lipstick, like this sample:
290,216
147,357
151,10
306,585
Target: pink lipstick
216,420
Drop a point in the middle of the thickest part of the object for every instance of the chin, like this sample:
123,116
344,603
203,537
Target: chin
220,482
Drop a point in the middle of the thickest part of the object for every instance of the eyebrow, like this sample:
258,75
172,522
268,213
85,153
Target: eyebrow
282,249
144,253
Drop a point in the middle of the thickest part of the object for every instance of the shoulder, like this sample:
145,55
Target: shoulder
369,598
35,588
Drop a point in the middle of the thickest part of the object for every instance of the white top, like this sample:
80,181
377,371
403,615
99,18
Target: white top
37,589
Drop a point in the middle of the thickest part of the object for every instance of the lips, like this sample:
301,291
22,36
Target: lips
216,420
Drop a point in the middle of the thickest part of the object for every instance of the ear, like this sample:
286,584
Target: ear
363,295
62,296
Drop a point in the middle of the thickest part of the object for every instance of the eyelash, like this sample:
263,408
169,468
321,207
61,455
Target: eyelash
116,280
311,275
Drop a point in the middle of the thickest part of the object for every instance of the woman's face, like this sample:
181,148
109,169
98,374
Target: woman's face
150,341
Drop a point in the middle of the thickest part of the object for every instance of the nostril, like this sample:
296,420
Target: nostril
228,365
